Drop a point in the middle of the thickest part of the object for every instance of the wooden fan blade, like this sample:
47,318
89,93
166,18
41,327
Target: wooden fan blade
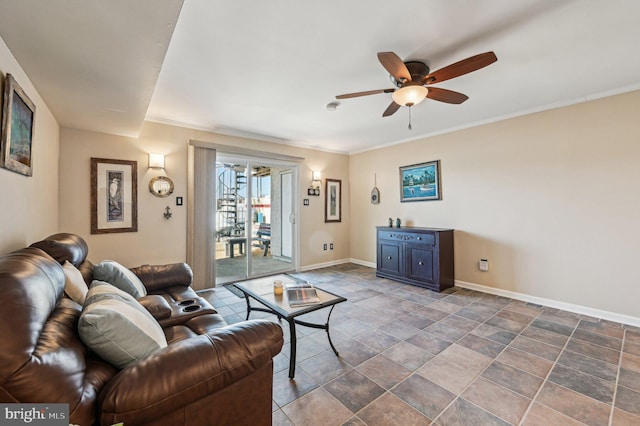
369,92
392,63
391,109
444,95
462,67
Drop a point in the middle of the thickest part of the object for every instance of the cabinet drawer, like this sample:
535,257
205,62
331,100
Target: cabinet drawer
409,237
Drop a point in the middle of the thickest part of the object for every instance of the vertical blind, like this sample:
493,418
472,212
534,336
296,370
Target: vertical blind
201,227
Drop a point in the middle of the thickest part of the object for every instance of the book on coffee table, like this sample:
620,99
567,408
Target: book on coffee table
301,294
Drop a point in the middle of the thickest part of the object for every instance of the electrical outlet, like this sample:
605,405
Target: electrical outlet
483,265
324,247
331,246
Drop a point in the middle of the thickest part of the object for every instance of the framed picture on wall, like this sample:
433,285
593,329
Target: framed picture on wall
420,182
114,196
18,114
333,200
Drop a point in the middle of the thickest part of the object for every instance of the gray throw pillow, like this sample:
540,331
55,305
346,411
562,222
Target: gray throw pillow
120,276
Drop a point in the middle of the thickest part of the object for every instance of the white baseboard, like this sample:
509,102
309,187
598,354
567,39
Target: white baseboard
363,263
570,307
323,265
337,262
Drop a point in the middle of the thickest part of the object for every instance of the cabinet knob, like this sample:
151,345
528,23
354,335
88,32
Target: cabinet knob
389,257
420,263
419,238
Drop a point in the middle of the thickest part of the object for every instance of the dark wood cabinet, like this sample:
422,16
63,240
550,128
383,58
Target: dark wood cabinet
418,256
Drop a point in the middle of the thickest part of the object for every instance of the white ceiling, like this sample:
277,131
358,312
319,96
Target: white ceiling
94,62
267,69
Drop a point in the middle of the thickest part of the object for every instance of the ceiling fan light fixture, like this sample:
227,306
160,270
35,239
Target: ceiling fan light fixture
410,95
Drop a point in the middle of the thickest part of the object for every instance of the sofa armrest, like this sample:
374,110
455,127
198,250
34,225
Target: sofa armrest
157,306
189,370
158,277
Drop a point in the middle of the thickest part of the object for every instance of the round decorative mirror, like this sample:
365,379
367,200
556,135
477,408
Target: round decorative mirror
161,186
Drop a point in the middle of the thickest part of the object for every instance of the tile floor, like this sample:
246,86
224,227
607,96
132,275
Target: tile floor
412,356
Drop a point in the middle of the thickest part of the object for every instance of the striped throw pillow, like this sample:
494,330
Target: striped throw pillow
117,327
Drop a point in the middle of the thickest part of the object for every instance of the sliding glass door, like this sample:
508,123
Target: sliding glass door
254,218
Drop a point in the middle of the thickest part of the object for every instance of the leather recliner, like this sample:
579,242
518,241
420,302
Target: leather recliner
210,373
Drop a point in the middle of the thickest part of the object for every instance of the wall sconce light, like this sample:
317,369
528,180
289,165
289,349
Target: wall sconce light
156,161
314,188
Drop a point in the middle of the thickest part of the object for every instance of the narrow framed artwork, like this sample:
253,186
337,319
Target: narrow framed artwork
18,117
420,182
114,196
333,200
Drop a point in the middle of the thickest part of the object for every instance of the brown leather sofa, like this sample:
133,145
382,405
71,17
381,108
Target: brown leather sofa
210,373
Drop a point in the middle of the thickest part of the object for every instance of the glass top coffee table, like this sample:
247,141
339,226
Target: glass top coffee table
261,290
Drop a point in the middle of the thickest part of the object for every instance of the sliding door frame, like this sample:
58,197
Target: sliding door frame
202,274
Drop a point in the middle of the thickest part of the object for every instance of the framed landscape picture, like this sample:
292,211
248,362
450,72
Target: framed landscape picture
18,114
420,182
333,200
114,196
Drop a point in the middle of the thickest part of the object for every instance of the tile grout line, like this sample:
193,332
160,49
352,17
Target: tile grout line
546,378
478,375
615,389
587,356
433,421
524,415
459,395
389,391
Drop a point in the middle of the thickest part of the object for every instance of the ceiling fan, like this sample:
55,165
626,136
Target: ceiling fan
412,77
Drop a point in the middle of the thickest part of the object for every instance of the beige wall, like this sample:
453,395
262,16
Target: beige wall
29,209
159,240
550,199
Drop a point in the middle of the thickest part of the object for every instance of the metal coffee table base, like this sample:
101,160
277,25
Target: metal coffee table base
292,331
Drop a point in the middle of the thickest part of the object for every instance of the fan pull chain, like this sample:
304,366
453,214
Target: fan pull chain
410,119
